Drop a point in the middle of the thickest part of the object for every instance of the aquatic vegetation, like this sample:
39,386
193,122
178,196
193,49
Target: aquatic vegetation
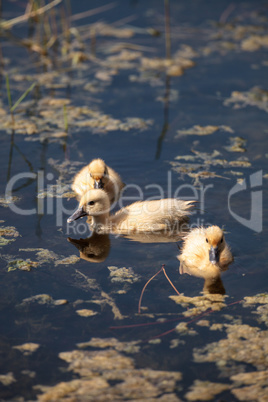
250,386
7,379
199,164
27,348
104,343
106,299
86,312
254,97
23,265
183,329
44,256
123,275
213,302
243,344
114,376
237,144
199,130
49,124
6,201
205,390
42,299
7,231
72,259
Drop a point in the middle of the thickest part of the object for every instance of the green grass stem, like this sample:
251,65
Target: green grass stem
23,96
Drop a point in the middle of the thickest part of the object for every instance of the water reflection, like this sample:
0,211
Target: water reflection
155,237
212,280
95,248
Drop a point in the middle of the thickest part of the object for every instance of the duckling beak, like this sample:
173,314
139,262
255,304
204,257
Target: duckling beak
98,184
79,213
214,255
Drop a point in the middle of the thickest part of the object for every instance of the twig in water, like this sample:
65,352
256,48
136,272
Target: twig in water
144,287
147,283
163,268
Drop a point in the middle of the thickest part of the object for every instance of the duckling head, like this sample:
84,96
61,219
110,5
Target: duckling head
215,243
93,203
99,173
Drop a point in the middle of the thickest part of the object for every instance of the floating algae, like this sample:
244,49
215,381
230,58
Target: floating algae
119,275
103,343
255,386
6,201
243,344
44,299
27,348
198,164
237,144
23,265
215,302
205,390
45,256
206,130
86,312
254,97
7,379
108,375
7,231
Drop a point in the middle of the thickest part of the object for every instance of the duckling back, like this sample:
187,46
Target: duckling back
165,214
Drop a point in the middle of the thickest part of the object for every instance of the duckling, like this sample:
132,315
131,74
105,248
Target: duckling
205,253
98,175
140,216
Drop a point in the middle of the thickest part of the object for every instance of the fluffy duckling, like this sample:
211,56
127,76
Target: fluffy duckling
139,216
98,175
205,253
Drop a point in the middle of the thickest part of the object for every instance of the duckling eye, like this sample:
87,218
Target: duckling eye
91,203
221,239
207,240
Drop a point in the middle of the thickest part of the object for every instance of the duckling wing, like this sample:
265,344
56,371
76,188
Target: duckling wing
226,258
114,185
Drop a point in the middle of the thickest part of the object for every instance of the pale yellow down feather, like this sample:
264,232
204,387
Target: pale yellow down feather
164,214
98,170
194,258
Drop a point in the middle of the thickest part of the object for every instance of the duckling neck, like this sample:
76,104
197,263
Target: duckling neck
100,221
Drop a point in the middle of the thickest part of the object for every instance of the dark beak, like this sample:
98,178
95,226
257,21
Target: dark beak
214,255
98,184
79,213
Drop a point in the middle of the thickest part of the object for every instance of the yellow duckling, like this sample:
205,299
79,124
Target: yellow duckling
140,216
98,175
205,253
